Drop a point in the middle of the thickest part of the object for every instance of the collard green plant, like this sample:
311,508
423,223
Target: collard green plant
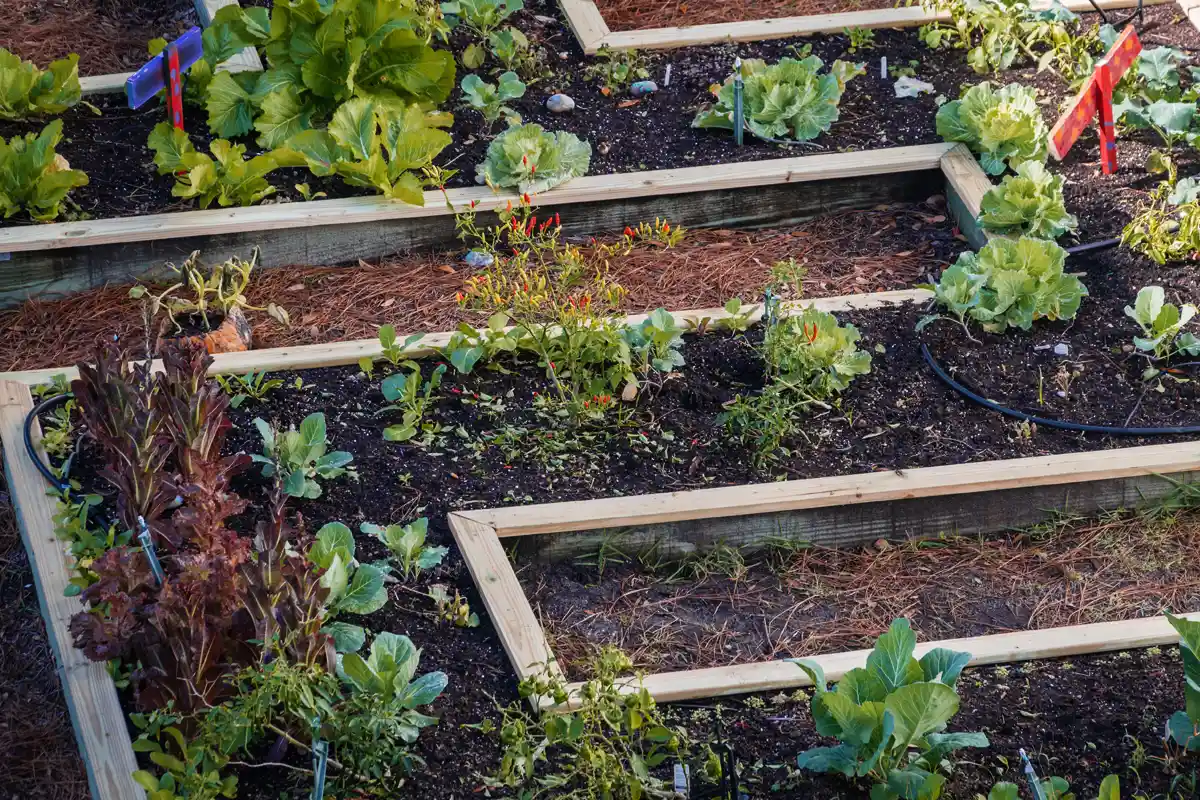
1028,203
1003,126
33,177
27,91
786,100
1162,325
407,545
353,588
1183,727
656,341
226,177
489,99
890,718
606,747
299,457
373,143
407,394
319,55
530,159
251,386
515,53
1009,282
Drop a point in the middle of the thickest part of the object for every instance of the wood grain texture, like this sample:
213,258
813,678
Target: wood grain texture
506,603
966,184
336,354
1003,648
245,61
586,23
783,27
874,487
853,524
772,202
91,696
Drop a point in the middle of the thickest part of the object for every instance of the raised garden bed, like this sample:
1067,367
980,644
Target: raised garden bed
736,22
49,260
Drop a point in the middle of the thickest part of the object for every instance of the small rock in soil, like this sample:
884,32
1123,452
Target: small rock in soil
560,103
643,88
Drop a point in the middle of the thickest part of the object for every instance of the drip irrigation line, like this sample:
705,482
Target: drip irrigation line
1110,430
60,482
1103,244
1137,14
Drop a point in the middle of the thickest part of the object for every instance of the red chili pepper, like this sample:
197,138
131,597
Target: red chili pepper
628,231
557,224
525,160
525,197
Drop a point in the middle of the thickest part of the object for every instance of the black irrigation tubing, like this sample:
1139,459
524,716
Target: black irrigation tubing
1110,430
1103,244
62,483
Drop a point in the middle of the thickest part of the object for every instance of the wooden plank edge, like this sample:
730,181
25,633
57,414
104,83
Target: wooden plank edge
91,697
312,356
587,189
245,61
507,605
1000,648
966,184
868,487
586,22
786,27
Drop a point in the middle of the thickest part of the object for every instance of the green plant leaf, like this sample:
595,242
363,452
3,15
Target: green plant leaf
891,661
920,709
347,638
366,593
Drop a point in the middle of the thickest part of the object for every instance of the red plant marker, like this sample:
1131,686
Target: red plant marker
1095,99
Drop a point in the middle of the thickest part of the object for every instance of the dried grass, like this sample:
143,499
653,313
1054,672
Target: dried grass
624,15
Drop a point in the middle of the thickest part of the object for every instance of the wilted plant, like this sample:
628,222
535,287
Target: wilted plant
453,610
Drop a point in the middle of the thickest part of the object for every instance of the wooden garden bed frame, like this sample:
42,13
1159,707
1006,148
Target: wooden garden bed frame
64,257
590,29
950,496
245,61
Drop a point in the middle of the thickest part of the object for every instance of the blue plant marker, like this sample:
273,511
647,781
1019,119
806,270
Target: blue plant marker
320,753
147,82
739,117
1035,785
150,551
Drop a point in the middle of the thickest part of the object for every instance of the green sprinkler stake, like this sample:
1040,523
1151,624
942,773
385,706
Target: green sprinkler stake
739,117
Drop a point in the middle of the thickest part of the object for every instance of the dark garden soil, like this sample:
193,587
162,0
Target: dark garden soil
850,252
654,133
721,607
1080,719
110,36
632,15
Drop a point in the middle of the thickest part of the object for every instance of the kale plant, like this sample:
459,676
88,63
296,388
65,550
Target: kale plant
786,100
890,718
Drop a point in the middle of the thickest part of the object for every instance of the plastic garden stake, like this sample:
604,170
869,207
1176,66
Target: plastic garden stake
150,551
165,72
1035,785
320,756
739,116
1095,100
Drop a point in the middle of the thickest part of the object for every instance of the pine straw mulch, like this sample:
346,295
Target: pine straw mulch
845,253
110,36
719,609
628,15
41,761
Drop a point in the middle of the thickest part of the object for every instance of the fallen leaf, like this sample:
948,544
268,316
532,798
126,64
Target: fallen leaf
628,103
604,90
446,268
905,254
295,287
391,301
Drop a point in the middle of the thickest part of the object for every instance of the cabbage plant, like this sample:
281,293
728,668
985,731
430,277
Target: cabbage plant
786,100
1030,203
531,159
1003,126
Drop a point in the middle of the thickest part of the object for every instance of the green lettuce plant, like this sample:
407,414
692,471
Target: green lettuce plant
226,177
27,91
33,177
301,456
1003,126
319,55
1028,203
1162,325
890,718
1008,282
376,144
786,100
489,98
530,159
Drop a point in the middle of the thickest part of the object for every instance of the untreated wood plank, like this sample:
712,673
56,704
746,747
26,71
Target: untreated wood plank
966,184
335,354
585,22
1002,648
506,603
95,253
91,696
783,27
873,487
